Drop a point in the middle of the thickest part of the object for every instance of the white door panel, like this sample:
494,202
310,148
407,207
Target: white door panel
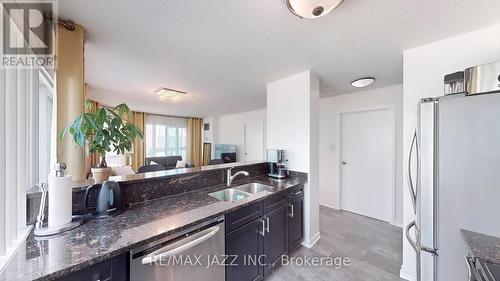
254,142
367,148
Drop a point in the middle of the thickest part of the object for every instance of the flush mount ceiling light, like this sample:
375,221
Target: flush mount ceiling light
362,82
170,95
313,8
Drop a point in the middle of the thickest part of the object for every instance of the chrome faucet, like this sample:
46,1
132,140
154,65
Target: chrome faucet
230,177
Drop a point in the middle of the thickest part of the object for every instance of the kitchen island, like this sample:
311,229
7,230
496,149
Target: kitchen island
145,221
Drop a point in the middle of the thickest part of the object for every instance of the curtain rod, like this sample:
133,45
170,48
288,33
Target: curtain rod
66,24
147,113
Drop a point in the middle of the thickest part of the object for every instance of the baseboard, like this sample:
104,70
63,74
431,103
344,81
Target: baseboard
398,223
328,206
406,276
309,244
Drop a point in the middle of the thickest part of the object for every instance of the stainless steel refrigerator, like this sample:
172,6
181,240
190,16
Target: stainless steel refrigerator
455,180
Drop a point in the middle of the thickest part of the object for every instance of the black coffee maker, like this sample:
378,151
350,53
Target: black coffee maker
276,167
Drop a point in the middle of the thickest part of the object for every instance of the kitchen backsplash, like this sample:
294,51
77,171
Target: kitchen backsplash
149,188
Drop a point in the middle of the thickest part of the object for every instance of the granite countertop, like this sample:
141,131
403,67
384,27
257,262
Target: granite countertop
101,239
483,246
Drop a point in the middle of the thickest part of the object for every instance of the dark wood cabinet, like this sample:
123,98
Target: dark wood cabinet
243,216
282,231
276,237
246,243
295,222
115,269
275,201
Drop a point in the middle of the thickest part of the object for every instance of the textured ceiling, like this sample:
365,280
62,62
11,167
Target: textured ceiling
223,52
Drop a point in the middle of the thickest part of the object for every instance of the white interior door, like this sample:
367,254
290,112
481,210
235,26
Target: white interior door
367,163
254,142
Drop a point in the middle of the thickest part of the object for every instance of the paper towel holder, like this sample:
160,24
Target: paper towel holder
42,228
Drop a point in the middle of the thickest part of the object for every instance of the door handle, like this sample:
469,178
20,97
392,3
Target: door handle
408,237
190,244
343,163
263,232
267,221
292,211
413,193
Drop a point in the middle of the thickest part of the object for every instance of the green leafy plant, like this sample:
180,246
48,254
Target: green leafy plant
104,131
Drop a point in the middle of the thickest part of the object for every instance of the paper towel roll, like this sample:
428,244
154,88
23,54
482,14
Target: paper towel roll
60,200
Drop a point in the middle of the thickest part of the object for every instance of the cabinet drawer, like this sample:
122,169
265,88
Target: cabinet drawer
275,201
243,216
296,191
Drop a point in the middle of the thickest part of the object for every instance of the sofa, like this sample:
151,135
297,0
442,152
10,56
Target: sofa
168,162
153,164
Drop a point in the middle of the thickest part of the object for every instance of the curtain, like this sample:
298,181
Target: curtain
195,126
138,156
207,153
166,136
91,159
70,89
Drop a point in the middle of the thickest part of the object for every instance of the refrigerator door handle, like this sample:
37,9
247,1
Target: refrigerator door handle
429,250
413,193
408,237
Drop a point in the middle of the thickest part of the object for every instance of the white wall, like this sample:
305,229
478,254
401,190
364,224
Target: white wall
230,129
424,69
328,136
292,124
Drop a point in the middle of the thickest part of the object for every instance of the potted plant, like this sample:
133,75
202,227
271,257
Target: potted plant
103,131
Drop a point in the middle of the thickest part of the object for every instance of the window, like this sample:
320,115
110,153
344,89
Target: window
27,147
44,131
166,136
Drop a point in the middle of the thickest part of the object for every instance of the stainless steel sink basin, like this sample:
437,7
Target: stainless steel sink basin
254,187
229,194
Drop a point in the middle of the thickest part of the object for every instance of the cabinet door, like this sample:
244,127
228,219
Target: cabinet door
276,237
246,243
295,223
100,271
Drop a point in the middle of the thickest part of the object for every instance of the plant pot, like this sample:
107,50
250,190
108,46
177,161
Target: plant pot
100,175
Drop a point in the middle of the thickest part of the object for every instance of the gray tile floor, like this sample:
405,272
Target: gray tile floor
374,249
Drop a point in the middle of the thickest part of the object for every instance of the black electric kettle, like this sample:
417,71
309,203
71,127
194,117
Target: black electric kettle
109,201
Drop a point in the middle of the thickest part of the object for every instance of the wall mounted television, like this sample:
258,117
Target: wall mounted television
226,152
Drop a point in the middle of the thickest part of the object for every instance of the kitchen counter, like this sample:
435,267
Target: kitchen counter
483,246
101,239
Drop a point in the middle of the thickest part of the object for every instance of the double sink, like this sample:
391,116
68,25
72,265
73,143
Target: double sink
241,191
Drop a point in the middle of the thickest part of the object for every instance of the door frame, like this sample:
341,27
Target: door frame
392,132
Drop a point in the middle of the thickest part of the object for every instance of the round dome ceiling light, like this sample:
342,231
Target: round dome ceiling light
311,9
363,82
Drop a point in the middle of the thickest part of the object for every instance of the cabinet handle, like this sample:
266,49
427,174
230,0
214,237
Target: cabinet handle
263,232
267,220
298,192
292,211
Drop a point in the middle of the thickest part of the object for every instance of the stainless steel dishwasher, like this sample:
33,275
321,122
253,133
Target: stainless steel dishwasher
191,255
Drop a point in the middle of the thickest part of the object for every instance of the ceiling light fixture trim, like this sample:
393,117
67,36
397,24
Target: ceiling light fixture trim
363,82
312,9
170,95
